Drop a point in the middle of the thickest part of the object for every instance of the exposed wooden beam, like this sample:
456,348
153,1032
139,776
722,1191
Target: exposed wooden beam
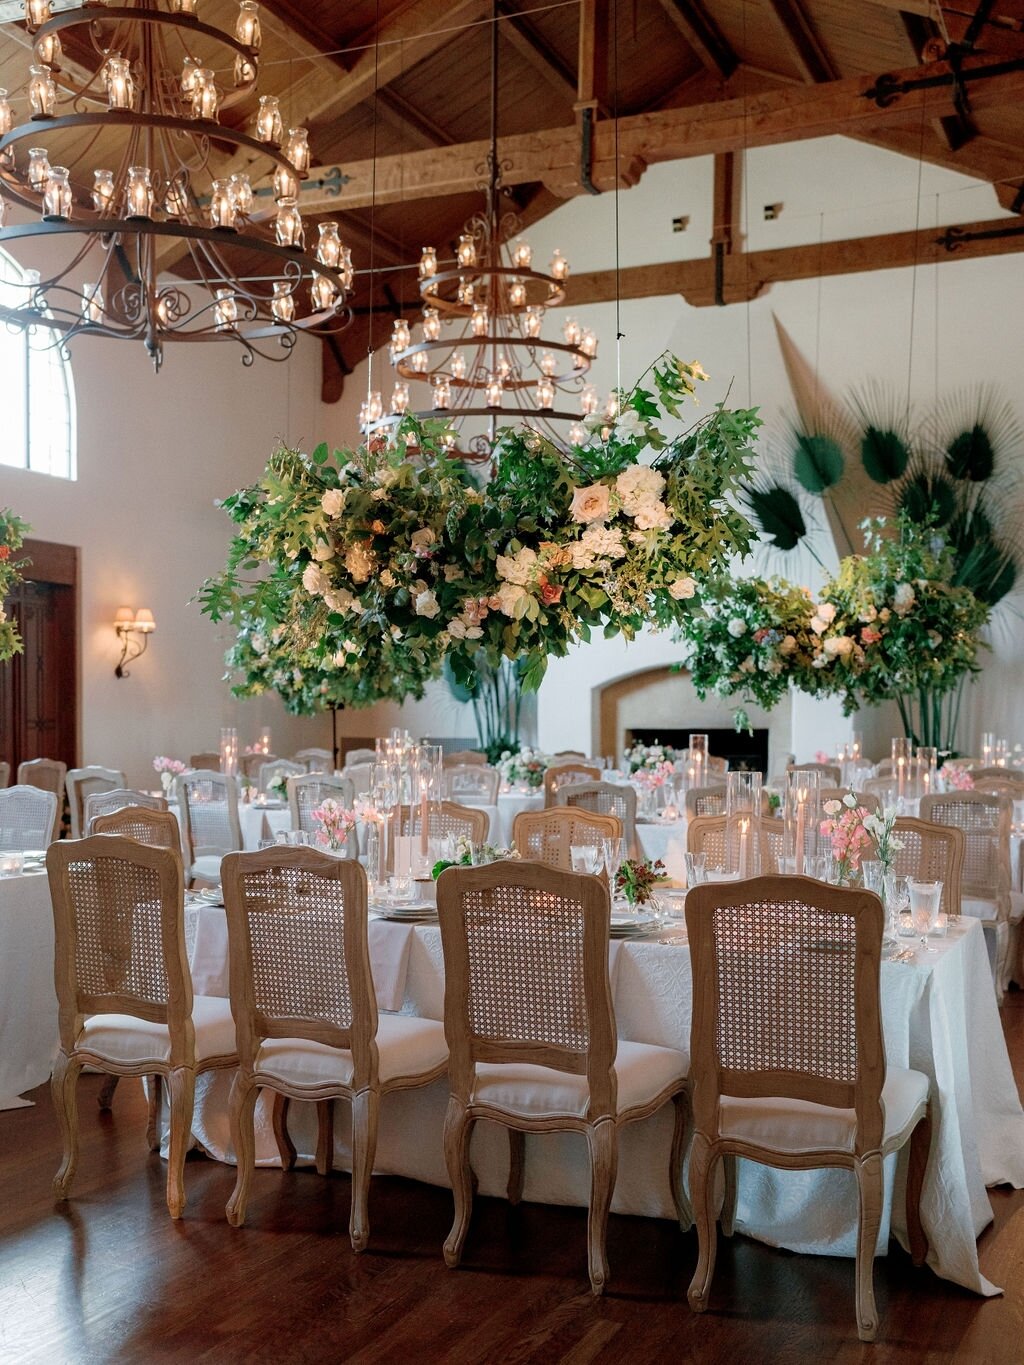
422,130
1002,166
924,38
592,59
522,35
408,37
724,218
805,47
928,9
748,274
703,35
792,114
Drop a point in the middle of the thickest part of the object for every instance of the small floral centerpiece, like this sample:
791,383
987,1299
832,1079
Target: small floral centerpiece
463,851
169,769
637,878
887,842
751,639
12,535
277,787
846,828
333,824
524,768
955,778
642,756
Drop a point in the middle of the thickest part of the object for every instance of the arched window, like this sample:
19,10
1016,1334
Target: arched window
36,391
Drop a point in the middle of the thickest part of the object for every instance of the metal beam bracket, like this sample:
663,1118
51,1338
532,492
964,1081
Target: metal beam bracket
586,113
955,239
887,89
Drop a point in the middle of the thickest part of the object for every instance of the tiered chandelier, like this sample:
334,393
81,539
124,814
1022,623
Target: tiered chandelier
161,79
480,345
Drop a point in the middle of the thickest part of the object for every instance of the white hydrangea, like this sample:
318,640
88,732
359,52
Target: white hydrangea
737,627
518,568
637,486
603,542
333,502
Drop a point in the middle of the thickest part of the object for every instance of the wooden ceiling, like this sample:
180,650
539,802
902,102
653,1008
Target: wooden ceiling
396,96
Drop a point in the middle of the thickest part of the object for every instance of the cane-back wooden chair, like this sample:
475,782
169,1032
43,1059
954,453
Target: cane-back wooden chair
567,774
124,991
869,800
531,1032
548,836
446,818
48,775
705,801
831,773
986,886
788,1060
303,999
305,793
83,783
458,758
28,817
249,765
315,760
208,804
157,828
472,784
5,774
207,761
605,798
102,803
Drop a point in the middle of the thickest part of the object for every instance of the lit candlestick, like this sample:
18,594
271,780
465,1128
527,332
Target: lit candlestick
424,821
801,830
901,777
744,847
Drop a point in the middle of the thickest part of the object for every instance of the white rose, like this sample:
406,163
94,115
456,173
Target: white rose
737,627
826,611
637,485
839,646
314,580
333,501
422,541
426,604
630,426
322,551
818,625
682,589
457,629
517,568
653,516
903,598
508,595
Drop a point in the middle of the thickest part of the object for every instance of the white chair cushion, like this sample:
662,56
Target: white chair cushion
125,1039
406,1046
798,1126
208,867
642,1070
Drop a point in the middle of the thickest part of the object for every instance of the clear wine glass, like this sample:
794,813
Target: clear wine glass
611,850
925,899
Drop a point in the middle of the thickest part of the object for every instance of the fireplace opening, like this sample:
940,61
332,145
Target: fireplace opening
743,751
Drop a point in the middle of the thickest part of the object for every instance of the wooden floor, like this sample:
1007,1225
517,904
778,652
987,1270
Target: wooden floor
110,1278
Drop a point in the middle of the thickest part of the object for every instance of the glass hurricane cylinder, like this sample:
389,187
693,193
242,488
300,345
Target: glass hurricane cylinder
902,750
57,195
743,824
229,751
697,759
802,816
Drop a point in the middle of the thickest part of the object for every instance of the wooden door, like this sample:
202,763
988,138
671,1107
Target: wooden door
39,688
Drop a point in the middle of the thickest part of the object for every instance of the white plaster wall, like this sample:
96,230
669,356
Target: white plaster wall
154,452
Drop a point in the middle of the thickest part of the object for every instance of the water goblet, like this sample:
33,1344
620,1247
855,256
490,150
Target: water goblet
696,868
871,875
585,858
925,898
897,903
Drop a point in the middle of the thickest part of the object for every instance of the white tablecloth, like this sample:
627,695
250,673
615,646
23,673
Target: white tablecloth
665,840
939,1015
259,822
28,1002
510,804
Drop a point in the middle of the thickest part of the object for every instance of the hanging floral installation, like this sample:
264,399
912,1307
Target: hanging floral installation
354,576
12,536
887,626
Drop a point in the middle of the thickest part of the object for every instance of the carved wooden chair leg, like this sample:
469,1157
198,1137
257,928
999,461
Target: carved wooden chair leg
63,1085
242,1105
279,1121
458,1130
869,1191
702,1193
681,1138
324,1137
365,1115
603,1141
153,1117
731,1191
106,1096
516,1164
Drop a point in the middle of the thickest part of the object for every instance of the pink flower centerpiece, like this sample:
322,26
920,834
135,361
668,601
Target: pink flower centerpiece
333,824
849,835
169,769
957,779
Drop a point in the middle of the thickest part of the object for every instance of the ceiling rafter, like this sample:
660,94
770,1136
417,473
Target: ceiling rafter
789,114
530,45
408,37
805,47
926,42
702,33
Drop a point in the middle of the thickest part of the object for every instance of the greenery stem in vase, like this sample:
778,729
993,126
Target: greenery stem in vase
636,880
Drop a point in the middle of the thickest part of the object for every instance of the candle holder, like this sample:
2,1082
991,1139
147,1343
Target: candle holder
697,758
802,816
743,824
229,751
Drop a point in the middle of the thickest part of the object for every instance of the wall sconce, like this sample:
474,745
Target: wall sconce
129,623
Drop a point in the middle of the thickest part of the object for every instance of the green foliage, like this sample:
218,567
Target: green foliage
884,454
971,455
817,462
354,576
777,512
12,535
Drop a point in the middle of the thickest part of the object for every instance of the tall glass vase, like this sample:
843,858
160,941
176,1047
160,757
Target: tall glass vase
802,816
743,824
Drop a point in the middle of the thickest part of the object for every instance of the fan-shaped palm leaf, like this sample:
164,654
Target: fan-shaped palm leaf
883,417
884,454
777,513
818,461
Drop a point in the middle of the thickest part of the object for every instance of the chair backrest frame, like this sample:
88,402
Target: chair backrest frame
306,792
102,803
765,917
466,898
561,774
46,814
985,822
228,787
477,778
81,783
157,828
556,827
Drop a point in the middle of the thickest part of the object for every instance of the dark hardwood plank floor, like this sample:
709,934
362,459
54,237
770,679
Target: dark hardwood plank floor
109,1277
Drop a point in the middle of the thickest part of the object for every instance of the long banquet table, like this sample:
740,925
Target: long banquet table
28,1004
939,1017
